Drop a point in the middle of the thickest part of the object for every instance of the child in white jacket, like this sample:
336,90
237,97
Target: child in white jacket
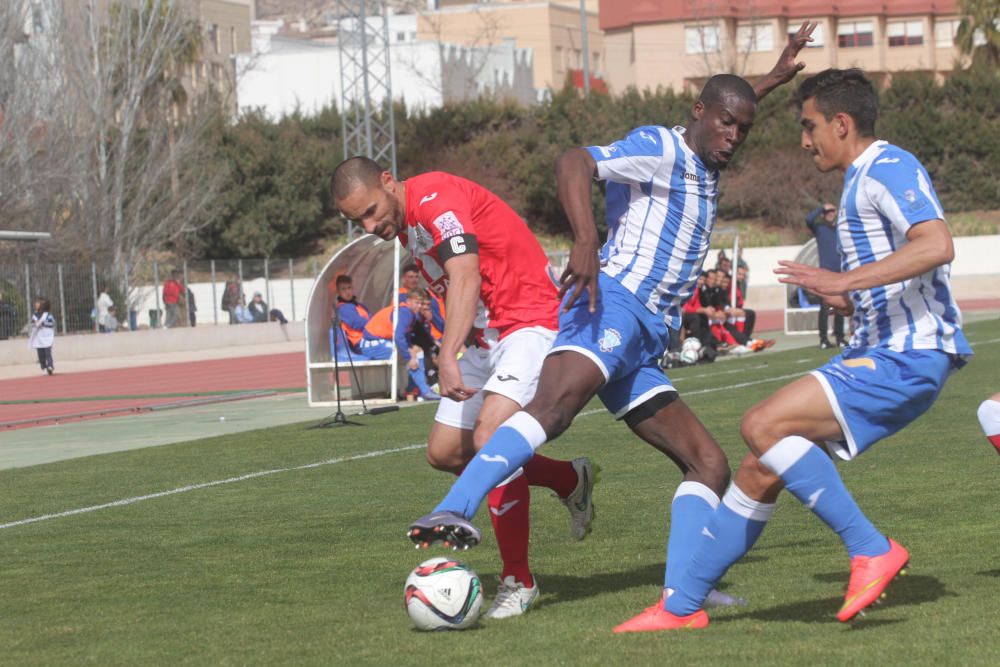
43,332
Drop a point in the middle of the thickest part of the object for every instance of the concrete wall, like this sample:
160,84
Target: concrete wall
975,273
151,341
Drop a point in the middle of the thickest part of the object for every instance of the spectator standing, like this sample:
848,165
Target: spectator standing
192,308
172,297
8,319
104,302
822,222
231,295
43,333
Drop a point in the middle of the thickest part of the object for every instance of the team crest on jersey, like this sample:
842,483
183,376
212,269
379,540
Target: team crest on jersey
910,196
448,224
610,339
421,242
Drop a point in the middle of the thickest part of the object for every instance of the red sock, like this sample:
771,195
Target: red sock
995,441
509,512
741,324
560,476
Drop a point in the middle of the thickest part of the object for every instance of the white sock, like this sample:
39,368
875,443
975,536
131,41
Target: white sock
989,417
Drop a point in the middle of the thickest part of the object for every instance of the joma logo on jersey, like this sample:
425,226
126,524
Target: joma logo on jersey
691,177
610,339
647,136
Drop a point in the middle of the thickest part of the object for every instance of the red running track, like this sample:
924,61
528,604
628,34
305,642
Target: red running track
128,385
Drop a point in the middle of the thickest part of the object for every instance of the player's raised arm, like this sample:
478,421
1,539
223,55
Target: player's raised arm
786,68
575,170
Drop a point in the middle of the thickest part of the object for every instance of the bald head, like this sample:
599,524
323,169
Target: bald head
352,173
721,86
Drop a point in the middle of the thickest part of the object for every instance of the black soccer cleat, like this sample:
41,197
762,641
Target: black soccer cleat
451,529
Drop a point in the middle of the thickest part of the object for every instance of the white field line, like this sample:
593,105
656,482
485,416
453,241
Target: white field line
205,485
357,457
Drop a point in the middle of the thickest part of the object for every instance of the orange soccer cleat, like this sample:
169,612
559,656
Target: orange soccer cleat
869,577
657,618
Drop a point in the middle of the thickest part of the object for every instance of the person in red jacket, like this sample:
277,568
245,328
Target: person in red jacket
173,292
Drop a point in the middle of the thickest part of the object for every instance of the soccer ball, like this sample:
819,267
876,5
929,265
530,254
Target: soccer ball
443,594
691,350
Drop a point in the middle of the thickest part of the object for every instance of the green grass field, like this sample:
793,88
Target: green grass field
304,564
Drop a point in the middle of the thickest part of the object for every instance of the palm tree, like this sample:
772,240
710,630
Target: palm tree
979,33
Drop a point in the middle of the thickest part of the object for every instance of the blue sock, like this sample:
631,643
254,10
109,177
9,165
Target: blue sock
419,379
733,529
510,447
692,509
810,476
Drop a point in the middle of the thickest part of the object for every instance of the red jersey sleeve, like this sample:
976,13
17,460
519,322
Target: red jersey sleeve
445,212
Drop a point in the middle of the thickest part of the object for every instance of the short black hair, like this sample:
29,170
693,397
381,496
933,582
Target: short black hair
353,172
344,279
842,91
721,85
411,267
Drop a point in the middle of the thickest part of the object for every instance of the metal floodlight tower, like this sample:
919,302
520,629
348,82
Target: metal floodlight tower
365,81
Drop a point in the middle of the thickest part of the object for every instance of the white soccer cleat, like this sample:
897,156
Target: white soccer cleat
580,503
719,599
513,599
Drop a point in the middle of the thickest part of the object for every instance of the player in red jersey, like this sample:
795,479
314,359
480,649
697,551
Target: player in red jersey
476,251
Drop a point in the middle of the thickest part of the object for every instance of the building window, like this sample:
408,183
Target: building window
906,33
855,33
701,39
213,37
232,40
819,36
560,61
400,36
945,31
755,37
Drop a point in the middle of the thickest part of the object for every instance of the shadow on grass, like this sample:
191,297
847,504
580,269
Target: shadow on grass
989,573
557,588
906,591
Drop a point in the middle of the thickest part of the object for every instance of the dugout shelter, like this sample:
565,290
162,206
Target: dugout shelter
374,267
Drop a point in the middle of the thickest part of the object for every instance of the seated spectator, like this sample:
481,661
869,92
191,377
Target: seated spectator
241,314
352,315
410,278
740,320
259,311
380,338
699,313
110,323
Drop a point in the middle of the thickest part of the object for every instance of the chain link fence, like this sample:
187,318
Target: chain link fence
208,293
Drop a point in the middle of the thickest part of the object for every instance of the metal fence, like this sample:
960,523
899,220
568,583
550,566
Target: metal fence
73,289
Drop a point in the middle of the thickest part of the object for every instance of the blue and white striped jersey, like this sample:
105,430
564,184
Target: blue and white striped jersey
661,208
887,191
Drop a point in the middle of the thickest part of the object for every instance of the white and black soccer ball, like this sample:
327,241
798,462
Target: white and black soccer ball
443,594
691,350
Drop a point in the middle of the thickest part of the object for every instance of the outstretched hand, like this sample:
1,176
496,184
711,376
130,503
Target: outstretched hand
786,68
827,284
580,274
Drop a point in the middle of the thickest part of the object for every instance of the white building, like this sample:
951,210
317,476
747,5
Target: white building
283,74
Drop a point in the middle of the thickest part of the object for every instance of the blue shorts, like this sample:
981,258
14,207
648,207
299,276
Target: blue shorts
875,392
623,339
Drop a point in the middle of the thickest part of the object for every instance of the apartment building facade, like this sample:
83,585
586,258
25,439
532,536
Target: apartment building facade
678,44
552,30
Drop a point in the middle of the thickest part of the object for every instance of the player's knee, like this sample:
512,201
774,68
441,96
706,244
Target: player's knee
757,430
445,460
715,469
553,417
755,480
